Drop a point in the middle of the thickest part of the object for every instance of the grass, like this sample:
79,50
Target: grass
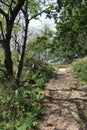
79,68
62,65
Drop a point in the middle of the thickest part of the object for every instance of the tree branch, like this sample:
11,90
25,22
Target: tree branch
3,13
17,8
11,20
10,7
34,16
2,34
4,3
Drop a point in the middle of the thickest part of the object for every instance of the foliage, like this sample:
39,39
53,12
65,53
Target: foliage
80,69
21,82
15,17
21,108
70,41
39,71
40,46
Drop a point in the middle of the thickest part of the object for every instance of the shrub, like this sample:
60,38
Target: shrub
39,72
20,109
80,69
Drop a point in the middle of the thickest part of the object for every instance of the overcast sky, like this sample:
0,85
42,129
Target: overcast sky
36,26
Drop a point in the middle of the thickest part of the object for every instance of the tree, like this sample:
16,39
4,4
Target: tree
15,16
20,92
11,11
71,36
40,46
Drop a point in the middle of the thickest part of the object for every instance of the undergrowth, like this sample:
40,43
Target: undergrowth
80,69
20,109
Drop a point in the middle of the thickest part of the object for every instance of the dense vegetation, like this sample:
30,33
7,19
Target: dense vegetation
71,36
80,69
21,108
22,75
23,61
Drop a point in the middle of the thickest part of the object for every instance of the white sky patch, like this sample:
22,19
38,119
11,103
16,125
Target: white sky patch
42,21
40,24
35,23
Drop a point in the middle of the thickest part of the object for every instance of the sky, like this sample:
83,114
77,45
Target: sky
36,26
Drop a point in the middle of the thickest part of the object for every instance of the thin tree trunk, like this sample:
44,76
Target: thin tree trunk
21,58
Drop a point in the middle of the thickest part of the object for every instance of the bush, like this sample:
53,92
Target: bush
80,69
39,72
20,109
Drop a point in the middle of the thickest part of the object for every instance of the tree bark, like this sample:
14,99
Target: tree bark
21,58
8,60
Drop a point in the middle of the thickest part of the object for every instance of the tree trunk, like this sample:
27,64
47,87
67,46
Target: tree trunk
21,58
10,18
8,60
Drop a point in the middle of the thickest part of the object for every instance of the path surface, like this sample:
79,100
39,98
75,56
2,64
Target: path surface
65,103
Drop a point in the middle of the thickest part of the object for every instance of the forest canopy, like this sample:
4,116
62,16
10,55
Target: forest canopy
71,25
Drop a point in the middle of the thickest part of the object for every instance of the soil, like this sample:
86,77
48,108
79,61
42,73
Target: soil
65,103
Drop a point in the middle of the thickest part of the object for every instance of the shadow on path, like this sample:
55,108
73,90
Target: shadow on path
65,104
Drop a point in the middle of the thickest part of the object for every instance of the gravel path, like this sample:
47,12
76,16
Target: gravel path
65,103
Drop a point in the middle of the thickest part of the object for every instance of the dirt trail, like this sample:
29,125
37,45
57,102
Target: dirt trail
65,103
